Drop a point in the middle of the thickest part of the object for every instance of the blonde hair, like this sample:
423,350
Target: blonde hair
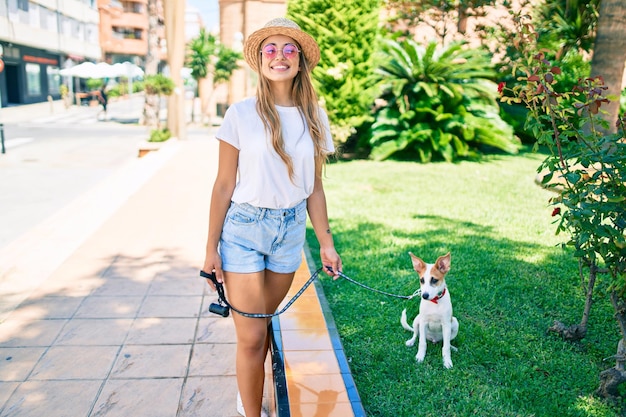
305,99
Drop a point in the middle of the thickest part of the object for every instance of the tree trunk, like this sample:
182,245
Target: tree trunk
150,112
577,332
462,22
205,89
152,56
612,378
174,11
609,53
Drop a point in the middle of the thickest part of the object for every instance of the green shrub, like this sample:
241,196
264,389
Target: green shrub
158,84
137,86
160,135
437,103
93,83
347,34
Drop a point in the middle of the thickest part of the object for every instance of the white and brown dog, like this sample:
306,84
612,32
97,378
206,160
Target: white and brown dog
434,321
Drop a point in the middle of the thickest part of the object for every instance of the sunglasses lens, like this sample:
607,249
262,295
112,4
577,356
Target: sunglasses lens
290,51
270,51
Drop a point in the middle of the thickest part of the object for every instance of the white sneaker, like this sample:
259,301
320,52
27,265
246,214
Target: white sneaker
241,411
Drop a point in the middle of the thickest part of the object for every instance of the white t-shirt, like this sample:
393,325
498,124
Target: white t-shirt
263,179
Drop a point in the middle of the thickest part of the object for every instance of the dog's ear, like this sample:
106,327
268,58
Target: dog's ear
418,264
443,263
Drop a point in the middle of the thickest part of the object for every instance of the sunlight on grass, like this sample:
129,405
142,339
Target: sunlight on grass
509,281
591,407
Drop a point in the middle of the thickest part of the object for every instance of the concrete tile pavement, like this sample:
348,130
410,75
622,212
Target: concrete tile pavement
17,114
103,310
119,108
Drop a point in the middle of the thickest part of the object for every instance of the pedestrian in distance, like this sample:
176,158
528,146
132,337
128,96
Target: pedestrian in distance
103,98
272,150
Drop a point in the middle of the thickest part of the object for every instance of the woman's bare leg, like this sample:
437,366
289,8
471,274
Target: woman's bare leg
259,292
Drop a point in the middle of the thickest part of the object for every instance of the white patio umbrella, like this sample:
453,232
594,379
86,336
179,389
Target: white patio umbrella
127,69
89,70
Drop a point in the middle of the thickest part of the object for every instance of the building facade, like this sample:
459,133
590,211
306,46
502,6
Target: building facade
238,19
37,39
124,30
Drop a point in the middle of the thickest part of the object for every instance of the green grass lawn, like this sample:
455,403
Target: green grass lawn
509,281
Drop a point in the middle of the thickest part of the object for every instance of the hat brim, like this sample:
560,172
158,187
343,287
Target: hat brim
308,46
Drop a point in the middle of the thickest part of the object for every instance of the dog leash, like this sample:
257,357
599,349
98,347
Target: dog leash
417,293
222,306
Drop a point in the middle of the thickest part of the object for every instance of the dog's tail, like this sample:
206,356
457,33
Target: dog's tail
404,322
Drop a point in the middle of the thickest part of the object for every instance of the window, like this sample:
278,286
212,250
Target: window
12,7
78,30
33,79
132,7
91,33
127,33
66,25
48,19
18,11
54,80
34,15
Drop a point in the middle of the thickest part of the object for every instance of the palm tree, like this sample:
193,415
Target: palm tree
211,64
150,109
200,51
437,103
156,86
609,53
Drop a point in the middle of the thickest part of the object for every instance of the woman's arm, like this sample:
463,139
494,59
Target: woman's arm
318,213
220,201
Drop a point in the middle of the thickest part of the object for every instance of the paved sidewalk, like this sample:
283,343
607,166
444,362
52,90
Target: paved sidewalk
127,109
103,310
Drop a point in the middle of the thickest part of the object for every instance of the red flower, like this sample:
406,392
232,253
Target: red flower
501,87
556,211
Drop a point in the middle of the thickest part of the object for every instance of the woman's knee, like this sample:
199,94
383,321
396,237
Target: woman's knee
252,339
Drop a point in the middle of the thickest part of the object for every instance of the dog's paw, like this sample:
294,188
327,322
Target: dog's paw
410,342
447,363
420,357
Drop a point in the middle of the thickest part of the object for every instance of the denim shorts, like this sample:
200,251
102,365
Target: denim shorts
254,239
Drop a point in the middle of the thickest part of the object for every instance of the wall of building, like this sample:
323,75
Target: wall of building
38,38
238,19
123,30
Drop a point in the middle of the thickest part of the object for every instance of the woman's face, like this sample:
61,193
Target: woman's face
280,58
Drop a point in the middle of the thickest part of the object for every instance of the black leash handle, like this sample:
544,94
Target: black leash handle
224,305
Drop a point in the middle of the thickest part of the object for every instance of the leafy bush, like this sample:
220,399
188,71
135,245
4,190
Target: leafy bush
346,33
587,167
574,67
156,86
94,83
437,103
159,85
160,135
137,86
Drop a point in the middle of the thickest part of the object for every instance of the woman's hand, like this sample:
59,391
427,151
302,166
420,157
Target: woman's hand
213,263
331,261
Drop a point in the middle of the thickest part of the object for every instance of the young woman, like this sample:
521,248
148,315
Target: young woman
271,155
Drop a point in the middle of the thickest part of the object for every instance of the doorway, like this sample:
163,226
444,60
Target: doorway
13,84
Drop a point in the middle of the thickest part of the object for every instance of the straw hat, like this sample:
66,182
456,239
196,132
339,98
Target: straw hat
281,26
